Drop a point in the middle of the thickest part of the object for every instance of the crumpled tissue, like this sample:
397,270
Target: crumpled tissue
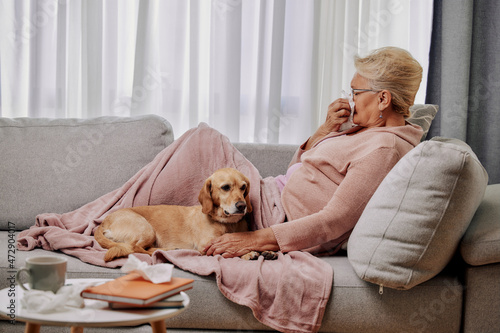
349,123
155,273
47,301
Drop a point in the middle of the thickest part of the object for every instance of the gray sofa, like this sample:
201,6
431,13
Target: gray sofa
57,165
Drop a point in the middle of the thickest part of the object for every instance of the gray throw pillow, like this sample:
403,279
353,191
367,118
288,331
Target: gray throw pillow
423,115
411,227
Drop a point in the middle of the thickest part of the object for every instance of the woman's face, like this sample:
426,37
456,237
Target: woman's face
366,111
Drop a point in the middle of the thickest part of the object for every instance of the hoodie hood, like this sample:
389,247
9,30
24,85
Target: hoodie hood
410,133
413,134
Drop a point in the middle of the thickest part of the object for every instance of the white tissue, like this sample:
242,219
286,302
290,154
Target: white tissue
47,302
155,273
349,123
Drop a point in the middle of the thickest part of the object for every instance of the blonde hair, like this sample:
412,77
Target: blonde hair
393,69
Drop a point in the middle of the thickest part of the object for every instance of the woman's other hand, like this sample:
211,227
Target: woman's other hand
240,243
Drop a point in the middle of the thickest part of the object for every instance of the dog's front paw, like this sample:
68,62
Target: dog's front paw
270,255
253,255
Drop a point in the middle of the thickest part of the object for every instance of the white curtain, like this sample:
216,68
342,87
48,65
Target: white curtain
256,70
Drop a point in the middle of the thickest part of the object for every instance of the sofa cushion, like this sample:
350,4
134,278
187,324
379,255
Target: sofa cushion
423,115
411,227
58,165
481,242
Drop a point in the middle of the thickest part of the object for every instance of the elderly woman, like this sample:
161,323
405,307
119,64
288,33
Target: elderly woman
334,174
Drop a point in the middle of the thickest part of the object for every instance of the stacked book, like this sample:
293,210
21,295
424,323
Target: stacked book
133,291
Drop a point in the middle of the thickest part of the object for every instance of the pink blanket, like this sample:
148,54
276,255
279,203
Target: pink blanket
288,294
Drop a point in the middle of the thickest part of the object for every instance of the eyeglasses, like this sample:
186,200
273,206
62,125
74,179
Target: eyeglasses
356,92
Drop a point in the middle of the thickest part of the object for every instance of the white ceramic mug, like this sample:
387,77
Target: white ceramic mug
44,273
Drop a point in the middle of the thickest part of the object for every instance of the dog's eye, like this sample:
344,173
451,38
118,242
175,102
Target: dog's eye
243,187
226,188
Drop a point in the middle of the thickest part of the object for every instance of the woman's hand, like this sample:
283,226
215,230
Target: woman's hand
338,113
237,244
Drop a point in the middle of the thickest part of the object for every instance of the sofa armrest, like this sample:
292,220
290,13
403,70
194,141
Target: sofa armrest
269,159
481,242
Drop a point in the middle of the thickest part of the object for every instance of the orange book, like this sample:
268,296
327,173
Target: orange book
133,289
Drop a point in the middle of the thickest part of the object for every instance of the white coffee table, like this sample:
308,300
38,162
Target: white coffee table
94,314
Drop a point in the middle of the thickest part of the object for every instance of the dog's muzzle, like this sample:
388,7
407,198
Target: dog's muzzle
239,208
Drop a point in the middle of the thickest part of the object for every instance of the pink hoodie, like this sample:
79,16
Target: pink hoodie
325,196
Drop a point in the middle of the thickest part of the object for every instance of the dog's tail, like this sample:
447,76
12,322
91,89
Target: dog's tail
115,250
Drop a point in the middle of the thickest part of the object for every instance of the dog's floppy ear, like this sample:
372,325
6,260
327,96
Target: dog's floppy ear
247,196
205,197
